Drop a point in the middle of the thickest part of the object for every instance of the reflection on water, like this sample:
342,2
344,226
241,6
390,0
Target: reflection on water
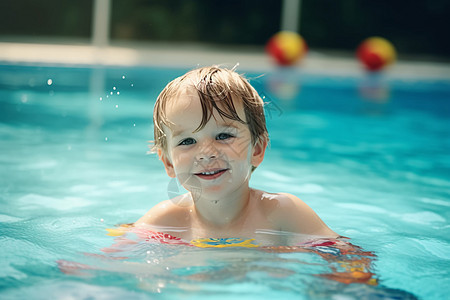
169,266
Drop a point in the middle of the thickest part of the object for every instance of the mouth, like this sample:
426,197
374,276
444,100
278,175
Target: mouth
211,174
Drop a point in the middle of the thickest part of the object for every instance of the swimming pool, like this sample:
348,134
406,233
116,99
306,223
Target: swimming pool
368,154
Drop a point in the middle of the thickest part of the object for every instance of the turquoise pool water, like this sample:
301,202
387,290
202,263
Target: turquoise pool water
369,154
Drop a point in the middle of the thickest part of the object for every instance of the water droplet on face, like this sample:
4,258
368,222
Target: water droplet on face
49,81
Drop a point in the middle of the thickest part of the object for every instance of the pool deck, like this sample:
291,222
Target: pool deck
190,56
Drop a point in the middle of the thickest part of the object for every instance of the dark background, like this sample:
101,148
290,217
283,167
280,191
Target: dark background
416,28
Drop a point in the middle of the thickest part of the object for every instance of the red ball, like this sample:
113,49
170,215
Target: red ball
286,48
375,53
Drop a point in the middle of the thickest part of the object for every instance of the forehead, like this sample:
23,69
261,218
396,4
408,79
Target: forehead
186,99
186,108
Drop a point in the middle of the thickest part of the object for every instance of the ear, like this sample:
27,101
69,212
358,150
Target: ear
167,164
259,149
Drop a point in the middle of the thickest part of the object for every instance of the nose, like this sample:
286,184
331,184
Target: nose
207,152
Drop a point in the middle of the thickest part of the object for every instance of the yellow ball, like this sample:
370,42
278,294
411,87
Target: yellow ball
376,53
286,47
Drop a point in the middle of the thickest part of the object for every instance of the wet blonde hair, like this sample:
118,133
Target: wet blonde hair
216,88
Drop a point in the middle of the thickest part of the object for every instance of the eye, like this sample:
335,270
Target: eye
224,136
187,141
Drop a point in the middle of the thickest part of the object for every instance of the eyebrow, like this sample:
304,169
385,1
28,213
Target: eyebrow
228,125
176,133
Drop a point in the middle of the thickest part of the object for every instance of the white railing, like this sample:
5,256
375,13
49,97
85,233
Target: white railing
290,15
101,22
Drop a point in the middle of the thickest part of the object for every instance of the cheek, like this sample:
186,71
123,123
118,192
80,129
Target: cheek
180,158
239,150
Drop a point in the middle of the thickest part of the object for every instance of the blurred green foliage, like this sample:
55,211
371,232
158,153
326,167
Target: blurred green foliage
48,18
414,27
209,21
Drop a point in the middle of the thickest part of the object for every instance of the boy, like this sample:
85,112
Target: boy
210,133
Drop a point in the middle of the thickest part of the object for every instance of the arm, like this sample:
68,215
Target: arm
169,213
349,263
159,215
149,227
297,217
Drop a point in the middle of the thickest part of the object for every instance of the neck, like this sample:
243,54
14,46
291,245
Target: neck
225,211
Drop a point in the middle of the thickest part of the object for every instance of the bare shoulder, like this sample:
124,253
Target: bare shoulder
170,213
294,215
281,201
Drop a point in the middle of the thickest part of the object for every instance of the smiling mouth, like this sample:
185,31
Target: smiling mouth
209,175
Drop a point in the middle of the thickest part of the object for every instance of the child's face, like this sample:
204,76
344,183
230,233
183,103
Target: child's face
214,161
